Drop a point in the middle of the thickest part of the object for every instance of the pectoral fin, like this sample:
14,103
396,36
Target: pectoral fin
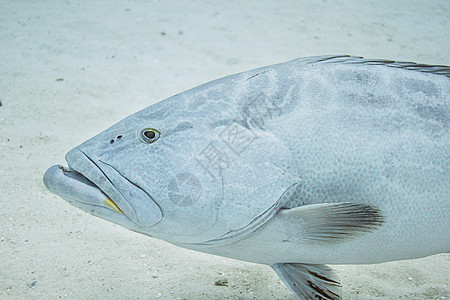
331,222
309,281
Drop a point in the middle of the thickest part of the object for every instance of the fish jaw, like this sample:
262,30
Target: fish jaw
76,189
84,185
83,194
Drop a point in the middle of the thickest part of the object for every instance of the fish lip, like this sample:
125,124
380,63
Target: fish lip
135,185
113,184
78,161
81,192
75,175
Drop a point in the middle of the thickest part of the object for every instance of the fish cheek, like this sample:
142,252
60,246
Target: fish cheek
190,206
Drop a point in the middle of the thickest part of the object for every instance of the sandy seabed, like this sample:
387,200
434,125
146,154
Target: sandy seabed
70,69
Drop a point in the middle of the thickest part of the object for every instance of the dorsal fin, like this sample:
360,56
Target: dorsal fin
347,59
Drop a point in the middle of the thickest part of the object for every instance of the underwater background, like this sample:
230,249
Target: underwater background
70,69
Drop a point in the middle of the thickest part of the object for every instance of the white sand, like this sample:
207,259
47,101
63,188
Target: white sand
69,69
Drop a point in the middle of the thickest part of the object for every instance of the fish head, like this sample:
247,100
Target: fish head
145,173
189,169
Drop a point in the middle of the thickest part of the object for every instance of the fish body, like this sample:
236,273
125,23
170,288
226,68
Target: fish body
320,160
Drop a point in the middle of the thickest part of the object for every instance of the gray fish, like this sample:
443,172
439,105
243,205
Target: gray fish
320,160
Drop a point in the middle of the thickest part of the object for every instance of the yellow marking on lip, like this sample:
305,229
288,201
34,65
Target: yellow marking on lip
113,206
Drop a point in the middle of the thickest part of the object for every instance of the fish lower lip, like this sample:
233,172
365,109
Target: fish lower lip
73,186
80,177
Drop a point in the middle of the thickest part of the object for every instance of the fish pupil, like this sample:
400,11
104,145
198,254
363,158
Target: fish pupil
149,134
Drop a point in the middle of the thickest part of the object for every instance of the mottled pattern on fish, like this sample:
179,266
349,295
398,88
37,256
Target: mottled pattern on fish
331,159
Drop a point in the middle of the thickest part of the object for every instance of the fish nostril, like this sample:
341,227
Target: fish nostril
117,137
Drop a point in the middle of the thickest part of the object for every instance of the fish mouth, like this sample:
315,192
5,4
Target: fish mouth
99,189
69,183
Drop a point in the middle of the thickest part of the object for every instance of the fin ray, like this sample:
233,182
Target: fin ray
332,222
309,281
347,59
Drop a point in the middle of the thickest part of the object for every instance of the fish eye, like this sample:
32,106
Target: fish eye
149,135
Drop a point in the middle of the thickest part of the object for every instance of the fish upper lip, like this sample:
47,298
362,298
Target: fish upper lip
107,188
134,184
79,177
112,183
